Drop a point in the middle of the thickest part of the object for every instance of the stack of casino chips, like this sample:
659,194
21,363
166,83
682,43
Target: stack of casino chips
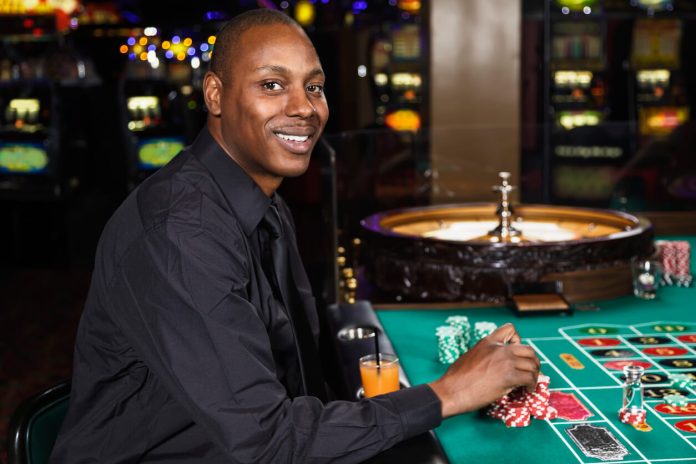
676,262
448,343
682,380
482,329
632,415
676,400
517,408
462,323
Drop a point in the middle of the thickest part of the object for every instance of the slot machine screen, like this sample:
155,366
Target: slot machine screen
23,115
656,43
655,5
156,152
577,43
661,120
144,112
406,43
23,158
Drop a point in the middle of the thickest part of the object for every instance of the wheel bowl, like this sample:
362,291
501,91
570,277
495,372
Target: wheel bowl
445,253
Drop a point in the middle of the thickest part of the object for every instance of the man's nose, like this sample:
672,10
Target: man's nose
299,104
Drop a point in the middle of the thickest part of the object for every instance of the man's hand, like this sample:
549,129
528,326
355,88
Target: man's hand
492,368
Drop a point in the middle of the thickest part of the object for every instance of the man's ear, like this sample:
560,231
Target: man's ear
212,93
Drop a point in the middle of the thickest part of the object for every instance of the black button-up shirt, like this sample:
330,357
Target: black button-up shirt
185,355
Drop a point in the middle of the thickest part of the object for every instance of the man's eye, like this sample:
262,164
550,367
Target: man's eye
315,88
271,86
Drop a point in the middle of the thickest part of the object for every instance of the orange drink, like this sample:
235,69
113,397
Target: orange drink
379,380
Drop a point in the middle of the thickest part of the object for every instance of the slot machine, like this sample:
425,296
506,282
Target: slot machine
161,99
656,172
585,148
29,141
153,126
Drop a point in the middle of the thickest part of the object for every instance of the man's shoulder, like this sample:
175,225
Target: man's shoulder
183,192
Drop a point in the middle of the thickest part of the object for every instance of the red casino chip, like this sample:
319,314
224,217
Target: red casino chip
632,416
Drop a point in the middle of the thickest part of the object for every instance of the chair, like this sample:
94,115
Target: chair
35,424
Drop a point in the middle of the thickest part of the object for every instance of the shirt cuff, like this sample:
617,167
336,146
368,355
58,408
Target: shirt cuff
419,407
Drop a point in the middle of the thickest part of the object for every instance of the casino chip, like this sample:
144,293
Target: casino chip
481,330
517,408
462,323
633,416
682,380
448,343
676,400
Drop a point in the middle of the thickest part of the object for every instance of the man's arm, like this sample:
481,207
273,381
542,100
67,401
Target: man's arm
189,317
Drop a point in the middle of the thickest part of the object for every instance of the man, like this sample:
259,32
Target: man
193,347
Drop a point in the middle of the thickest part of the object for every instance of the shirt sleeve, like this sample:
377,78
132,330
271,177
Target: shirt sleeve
181,297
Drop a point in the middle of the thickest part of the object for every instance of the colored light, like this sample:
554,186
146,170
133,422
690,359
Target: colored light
137,49
169,54
143,41
410,6
211,40
176,39
215,15
572,119
304,12
204,47
165,45
359,5
403,120
123,49
381,79
143,56
151,48
131,56
131,41
576,5
181,56
188,42
191,51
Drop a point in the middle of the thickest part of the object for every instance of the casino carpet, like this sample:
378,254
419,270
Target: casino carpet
39,313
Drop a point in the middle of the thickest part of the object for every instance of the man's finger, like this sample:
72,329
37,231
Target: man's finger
524,351
505,334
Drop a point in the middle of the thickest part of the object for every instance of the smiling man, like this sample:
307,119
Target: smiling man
196,346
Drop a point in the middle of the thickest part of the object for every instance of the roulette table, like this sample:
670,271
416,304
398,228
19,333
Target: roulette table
583,354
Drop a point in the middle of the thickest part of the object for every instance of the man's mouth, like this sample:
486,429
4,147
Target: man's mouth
298,141
292,138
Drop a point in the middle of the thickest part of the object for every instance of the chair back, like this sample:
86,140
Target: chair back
35,424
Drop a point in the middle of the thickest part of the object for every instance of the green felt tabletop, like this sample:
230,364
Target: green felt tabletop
474,437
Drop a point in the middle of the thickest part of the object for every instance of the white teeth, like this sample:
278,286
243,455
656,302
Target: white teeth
293,138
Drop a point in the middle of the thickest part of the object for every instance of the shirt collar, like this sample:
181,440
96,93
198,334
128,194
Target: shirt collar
245,198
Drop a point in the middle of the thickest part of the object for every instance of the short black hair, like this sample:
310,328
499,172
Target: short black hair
227,39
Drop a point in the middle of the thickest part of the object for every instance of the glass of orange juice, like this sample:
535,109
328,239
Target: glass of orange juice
381,379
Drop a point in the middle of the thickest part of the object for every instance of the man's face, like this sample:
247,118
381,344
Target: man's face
272,107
